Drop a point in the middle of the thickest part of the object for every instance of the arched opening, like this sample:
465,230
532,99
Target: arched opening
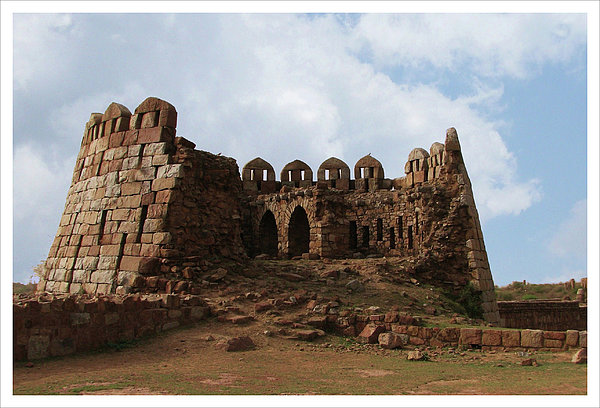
267,234
298,233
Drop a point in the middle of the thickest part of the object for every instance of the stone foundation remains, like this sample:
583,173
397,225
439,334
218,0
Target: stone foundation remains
49,326
57,325
145,208
543,314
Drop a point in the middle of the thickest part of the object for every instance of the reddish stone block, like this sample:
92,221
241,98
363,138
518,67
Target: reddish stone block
417,341
167,117
491,337
391,317
552,343
470,336
399,328
147,198
370,334
425,332
571,338
149,250
94,250
116,139
130,263
412,330
532,338
554,335
154,135
164,196
130,138
406,320
115,165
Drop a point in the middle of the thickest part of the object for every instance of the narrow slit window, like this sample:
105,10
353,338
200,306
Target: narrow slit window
379,229
416,223
121,248
102,223
365,236
400,228
265,175
143,216
353,237
326,174
392,238
410,237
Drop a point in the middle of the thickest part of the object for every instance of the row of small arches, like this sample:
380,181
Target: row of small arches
335,169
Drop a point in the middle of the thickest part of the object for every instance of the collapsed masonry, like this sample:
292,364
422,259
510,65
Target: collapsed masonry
144,204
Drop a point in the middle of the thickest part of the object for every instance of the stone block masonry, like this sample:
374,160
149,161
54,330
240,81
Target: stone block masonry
48,325
144,206
141,199
544,314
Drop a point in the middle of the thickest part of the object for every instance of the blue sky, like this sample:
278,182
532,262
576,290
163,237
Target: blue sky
288,86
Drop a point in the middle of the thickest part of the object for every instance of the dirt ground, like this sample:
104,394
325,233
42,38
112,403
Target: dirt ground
187,362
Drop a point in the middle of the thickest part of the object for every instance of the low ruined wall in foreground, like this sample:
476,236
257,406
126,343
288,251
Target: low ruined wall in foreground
48,325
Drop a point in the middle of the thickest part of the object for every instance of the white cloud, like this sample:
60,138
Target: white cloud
39,40
566,275
36,184
489,44
570,238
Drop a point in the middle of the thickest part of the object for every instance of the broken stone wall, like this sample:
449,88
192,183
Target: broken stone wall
48,326
427,217
543,314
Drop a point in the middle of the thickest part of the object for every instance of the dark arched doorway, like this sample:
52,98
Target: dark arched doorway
298,232
267,234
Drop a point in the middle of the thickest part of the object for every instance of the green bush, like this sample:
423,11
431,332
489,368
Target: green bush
506,296
529,297
467,301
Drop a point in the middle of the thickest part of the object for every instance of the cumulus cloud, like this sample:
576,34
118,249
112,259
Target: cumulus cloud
36,183
565,275
570,238
39,192
489,44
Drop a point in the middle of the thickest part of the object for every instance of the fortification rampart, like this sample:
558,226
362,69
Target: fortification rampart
144,208
544,314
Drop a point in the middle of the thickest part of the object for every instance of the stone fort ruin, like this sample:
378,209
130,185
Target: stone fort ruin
144,207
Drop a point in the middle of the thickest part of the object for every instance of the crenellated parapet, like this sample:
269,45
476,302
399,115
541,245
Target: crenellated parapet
421,167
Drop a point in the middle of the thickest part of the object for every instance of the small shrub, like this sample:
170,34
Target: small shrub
506,296
529,297
467,301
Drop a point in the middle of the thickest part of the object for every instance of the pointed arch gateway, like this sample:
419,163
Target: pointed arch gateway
298,233
267,234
